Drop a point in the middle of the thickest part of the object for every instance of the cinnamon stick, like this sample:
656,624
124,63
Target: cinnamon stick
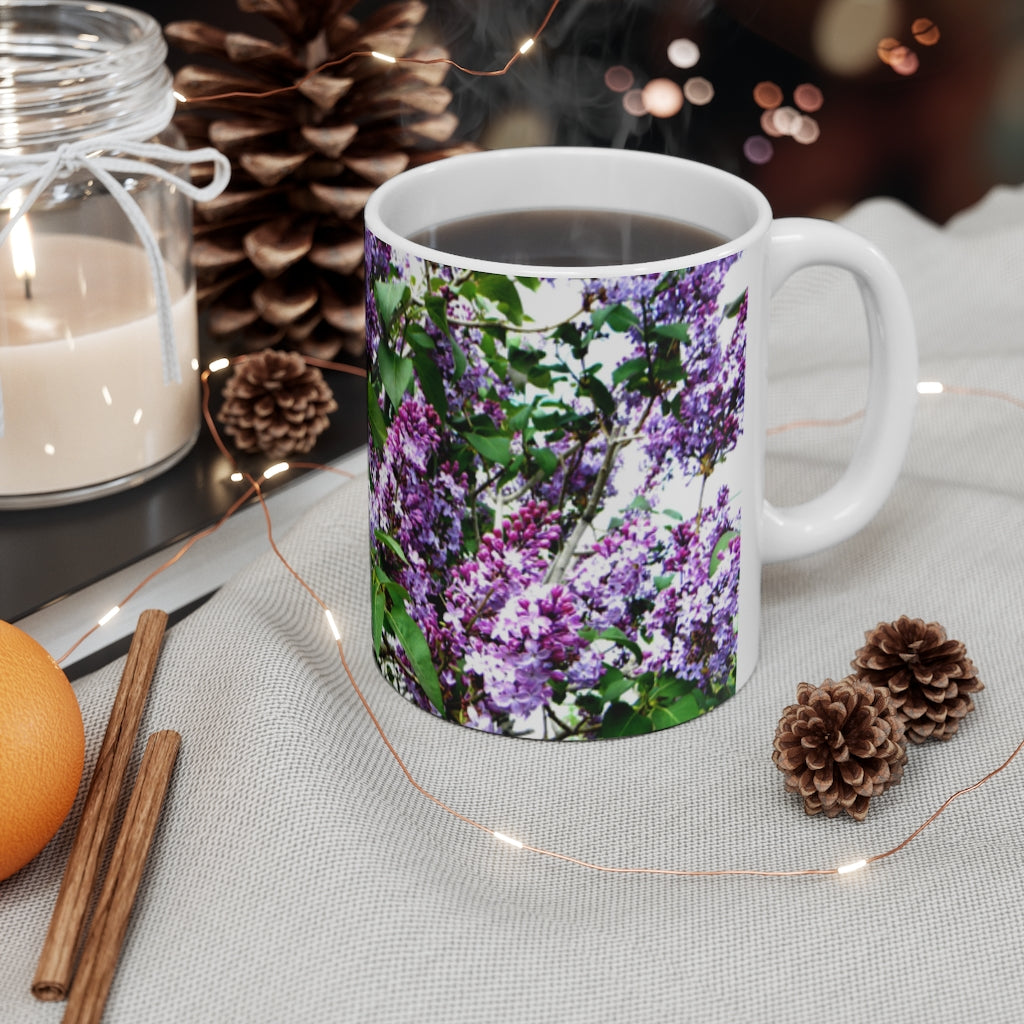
110,920
57,959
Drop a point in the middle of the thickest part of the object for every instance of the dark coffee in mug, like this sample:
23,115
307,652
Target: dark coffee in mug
568,237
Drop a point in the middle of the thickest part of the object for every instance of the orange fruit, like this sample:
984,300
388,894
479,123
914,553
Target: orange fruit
42,748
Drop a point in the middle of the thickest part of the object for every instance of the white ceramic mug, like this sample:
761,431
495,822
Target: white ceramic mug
567,463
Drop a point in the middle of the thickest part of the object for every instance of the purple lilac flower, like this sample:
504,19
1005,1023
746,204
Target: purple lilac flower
613,584
418,498
569,486
524,648
378,266
515,634
696,423
691,625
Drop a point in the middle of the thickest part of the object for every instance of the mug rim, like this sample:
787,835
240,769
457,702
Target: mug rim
375,213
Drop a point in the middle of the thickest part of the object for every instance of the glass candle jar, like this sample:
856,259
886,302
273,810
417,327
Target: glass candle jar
98,325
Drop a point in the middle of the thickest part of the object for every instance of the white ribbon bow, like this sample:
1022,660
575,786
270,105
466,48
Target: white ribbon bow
36,172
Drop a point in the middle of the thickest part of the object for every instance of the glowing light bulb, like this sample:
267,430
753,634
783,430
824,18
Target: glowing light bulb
106,618
526,46
930,387
219,364
846,869
278,467
330,622
386,57
511,840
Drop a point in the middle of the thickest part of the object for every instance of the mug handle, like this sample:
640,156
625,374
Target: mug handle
847,506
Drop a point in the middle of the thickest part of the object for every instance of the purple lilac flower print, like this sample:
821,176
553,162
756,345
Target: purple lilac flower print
547,558
693,622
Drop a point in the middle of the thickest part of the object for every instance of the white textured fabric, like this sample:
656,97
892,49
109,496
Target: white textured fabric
297,876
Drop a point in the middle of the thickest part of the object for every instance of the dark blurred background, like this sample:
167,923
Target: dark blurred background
821,103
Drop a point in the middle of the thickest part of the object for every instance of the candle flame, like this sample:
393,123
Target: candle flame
22,252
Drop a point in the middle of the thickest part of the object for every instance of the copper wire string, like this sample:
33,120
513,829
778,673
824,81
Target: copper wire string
255,490
388,58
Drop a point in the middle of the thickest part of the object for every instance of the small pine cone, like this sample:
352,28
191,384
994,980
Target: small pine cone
839,745
930,679
275,404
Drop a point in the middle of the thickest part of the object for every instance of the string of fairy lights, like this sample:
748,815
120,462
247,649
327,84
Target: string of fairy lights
254,491
776,119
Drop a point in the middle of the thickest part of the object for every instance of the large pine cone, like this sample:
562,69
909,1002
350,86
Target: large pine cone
930,679
279,254
839,745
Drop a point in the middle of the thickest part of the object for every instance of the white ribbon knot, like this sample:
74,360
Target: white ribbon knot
104,157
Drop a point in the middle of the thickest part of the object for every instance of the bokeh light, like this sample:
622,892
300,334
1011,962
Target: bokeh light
808,97
633,101
618,78
662,97
886,47
807,131
904,61
786,120
768,124
698,91
767,95
926,32
845,33
758,150
683,53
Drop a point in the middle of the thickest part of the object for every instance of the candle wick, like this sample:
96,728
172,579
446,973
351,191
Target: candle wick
28,286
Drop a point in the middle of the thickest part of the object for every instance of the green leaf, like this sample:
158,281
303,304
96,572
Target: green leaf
685,709
678,332
668,371
431,383
614,683
520,418
664,582
492,448
375,418
670,689
546,459
591,703
377,619
736,305
437,310
390,542
396,374
614,634
623,720
417,650
502,291
602,397
419,339
618,317
533,283
389,297
459,360
718,551
629,369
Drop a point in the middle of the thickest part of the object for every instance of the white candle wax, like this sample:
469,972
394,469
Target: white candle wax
84,396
